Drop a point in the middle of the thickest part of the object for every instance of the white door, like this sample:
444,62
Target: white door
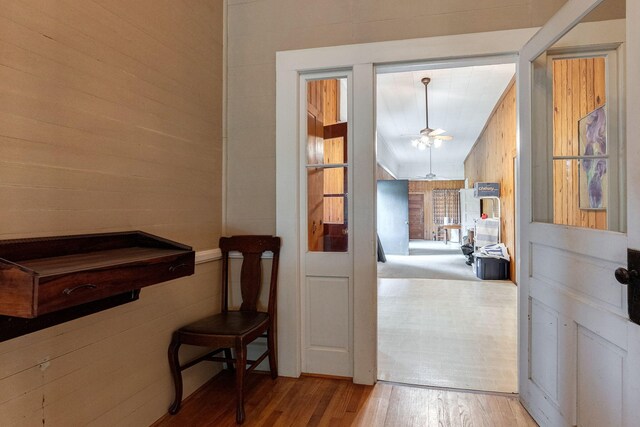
579,352
325,208
469,210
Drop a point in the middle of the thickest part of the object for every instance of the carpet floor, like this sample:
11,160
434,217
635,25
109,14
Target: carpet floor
439,325
428,259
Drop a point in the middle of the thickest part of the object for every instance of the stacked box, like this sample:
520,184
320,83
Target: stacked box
487,268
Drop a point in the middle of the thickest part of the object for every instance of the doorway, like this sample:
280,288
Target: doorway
446,319
574,315
486,48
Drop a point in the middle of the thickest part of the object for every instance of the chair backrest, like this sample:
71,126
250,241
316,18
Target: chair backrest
252,249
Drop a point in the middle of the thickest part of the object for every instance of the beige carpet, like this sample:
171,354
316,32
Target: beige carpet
428,260
455,333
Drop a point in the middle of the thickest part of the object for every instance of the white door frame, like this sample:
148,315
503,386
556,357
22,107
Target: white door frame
445,51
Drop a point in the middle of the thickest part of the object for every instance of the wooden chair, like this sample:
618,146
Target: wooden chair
234,329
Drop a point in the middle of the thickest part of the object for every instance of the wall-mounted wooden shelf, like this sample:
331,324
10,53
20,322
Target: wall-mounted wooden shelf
43,276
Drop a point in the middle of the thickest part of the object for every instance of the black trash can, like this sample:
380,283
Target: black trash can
467,251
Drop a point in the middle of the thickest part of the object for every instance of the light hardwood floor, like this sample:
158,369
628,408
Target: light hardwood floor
311,401
448,333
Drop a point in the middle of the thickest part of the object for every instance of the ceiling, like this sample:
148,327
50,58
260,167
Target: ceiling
460,101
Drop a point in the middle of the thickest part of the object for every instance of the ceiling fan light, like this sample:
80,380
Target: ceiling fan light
422,147
437,143
414,142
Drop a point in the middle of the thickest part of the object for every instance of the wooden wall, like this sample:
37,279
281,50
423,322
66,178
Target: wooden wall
334,182
492,160
382,174
322,110
578,89
426,188
110,119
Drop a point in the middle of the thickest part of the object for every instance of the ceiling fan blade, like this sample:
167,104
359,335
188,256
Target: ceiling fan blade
443,137
436,132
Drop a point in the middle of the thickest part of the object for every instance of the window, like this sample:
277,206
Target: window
327,166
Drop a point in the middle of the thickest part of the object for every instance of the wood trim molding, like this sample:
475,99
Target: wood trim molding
210,255
387,170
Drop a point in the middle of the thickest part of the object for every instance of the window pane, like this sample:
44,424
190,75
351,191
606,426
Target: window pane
578,114
580,193
327,219
326,164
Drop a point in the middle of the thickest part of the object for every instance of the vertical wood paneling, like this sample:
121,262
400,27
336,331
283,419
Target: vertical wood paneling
331,101
426,188
334,181
323,101
315,177
492,160
382,174
110,119
578,89
334,152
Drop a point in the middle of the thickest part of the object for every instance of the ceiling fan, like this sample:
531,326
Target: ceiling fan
430,176
429,137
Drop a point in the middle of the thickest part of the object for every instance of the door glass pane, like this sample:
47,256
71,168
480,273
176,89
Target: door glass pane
578,121
578,210
327,166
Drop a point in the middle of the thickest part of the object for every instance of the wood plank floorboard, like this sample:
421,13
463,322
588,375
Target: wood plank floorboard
311,401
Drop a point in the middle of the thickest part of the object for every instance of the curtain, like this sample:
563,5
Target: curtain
446,203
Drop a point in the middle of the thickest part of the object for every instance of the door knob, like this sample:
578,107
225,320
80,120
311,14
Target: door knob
625,276
629,276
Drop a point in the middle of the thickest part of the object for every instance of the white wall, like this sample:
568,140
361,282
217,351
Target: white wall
385,157
257,29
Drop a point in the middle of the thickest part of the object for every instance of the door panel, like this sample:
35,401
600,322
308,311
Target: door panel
574,272
327,273
577,364
544,335
416,216
393,216
327,311
599,379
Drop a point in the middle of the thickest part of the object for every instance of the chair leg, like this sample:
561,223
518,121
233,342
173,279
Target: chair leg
273,352
241,367
176,373
227,355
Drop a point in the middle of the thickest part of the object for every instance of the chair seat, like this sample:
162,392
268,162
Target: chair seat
229,323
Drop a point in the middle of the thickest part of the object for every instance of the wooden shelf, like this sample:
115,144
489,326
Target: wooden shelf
42,276
100,259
